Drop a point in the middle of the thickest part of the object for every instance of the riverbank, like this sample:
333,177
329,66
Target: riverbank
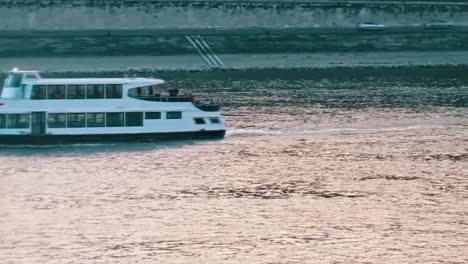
83,14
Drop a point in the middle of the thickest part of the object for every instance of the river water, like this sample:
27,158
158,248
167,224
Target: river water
342,165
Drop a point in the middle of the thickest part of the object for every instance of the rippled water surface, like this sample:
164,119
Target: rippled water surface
324,170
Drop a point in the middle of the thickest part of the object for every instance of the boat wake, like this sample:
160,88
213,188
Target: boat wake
268,132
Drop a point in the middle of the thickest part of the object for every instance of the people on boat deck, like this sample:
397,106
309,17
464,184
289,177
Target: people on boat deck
195,100
173,91
151,90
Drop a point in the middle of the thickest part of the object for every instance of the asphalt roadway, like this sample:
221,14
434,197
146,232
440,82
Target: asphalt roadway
221,32
276,2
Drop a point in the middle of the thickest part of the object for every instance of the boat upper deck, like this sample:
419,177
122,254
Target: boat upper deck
30,85
26,91
65,81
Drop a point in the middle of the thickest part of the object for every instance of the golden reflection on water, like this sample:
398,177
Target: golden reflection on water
347,186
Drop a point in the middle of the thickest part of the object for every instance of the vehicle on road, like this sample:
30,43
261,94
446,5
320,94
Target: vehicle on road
370,26
438,24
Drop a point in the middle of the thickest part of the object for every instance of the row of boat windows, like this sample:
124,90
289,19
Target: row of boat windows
119,119
14,120
78,91
101,119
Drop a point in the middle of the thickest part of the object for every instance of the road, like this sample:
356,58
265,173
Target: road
299,2
219,32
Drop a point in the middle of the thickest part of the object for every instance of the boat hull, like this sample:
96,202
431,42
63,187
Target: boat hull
107,138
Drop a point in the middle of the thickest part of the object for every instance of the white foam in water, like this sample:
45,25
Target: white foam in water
332,130
251,132
267,132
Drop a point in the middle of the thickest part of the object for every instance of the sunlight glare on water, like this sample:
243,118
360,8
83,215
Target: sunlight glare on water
321,172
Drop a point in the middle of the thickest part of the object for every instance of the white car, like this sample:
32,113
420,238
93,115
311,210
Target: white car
371,26
438,24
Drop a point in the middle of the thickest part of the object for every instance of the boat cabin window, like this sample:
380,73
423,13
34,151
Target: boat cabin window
134,119
151,90
115,119
153,115
14,80
80,120
30,76
38,92
113,91
95,120
55,91
95,91
214,120
199,121
18,121
56,120
173,115
76,91
2,120
76,120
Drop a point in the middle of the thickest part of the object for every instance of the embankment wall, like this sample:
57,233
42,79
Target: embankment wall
113,14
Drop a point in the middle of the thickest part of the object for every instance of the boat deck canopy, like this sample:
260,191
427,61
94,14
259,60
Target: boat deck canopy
63,81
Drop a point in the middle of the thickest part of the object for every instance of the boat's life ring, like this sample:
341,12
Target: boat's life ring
195,100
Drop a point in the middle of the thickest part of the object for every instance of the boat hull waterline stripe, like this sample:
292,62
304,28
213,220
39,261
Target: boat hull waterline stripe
108,138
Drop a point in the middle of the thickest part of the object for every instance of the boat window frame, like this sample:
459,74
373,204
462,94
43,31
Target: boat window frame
217,120
50,91
79,86
3,121
196,119
34,90
89,86
77,122
13,80
57,87
92,124
55,115
114,113
129,119
32,76
109,87
26,123
177,115
156,114
144,91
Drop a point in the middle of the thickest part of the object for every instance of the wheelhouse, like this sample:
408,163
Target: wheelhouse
15,83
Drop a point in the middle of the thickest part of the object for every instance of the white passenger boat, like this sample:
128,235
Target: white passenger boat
35,110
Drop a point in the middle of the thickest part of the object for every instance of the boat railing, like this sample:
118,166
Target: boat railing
159,98
200,104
